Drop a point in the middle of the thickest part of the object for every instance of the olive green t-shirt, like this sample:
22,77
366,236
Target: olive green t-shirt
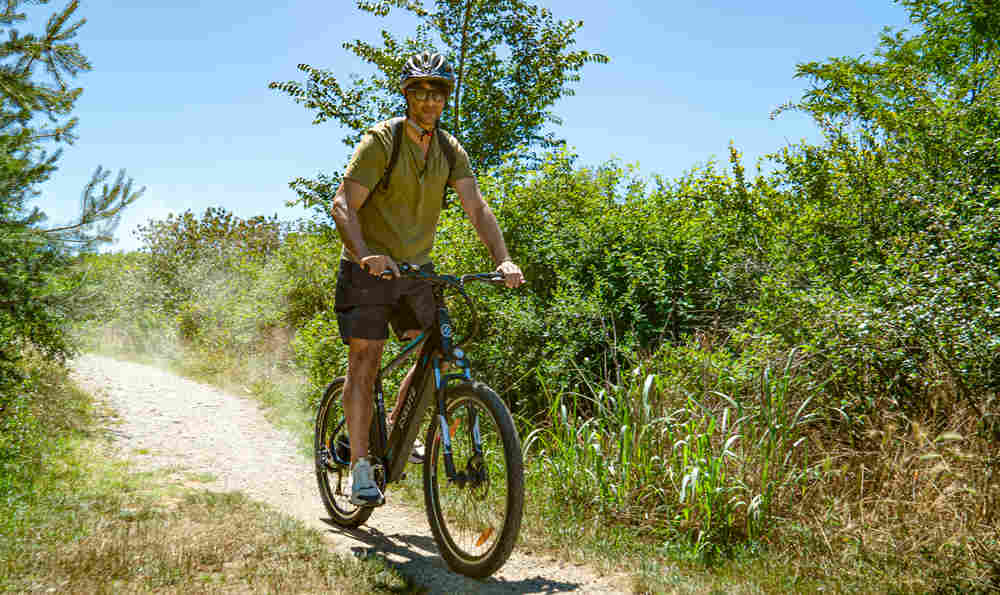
401,222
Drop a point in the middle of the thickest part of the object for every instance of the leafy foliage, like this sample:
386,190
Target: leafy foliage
898,208
217,238
35,70
38,297
512,62
615,268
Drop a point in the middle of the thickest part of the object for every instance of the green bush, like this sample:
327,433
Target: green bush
36,419
614,270
319,351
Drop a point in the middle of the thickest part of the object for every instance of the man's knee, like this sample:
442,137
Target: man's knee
364,356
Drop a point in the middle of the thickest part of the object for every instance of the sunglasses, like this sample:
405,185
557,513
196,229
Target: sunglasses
425,94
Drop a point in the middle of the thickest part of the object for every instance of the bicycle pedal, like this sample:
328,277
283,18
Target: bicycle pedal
369,504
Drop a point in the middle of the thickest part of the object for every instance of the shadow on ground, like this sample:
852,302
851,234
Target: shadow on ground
416,557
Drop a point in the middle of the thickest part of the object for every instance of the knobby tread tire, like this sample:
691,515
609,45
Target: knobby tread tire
498,555
328,414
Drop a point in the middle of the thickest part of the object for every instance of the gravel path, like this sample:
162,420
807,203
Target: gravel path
168,421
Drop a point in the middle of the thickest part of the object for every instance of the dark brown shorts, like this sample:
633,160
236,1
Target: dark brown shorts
366,305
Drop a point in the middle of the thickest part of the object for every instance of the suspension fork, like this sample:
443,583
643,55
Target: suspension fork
440,384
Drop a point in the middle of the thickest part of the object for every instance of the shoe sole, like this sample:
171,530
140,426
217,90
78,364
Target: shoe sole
367,503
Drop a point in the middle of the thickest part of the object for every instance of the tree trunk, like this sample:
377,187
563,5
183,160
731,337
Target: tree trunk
461,66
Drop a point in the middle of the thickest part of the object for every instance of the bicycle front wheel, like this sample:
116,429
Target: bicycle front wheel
475,517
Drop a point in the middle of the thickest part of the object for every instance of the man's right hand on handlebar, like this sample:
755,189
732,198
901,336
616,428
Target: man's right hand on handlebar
513,277
377,265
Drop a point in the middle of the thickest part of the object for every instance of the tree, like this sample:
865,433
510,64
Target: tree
905,196
218,239
36,101
512,62
933,95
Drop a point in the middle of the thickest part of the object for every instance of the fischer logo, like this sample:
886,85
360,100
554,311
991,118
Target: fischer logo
404,416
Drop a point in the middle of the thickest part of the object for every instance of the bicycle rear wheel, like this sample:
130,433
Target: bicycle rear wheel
334,478
475,519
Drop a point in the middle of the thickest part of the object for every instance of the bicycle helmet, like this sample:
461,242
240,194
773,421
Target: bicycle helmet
427,66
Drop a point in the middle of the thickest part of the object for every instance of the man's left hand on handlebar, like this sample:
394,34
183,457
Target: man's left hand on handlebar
380,265
513,277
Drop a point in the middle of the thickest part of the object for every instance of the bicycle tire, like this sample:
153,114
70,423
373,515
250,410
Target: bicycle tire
338,504
475,540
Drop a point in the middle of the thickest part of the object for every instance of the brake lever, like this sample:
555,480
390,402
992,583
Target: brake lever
495,278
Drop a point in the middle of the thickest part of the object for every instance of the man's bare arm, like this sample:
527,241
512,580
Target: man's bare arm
487,228
482,218
346,204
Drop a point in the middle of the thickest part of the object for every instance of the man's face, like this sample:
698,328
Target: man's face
426,101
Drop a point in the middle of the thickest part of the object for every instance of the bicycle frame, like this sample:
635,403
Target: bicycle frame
473,458
436,348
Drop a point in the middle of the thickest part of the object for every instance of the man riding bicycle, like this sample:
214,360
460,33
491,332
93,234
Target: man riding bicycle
385,217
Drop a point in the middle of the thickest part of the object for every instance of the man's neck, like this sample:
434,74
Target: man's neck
418,132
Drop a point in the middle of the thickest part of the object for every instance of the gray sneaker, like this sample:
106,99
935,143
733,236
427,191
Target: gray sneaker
364,490
417,454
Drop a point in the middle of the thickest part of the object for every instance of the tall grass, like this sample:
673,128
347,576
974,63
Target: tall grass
708,467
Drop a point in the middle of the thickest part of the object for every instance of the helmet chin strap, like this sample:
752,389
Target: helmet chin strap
420,129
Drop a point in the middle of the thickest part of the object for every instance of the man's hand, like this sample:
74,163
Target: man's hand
376,264
513,277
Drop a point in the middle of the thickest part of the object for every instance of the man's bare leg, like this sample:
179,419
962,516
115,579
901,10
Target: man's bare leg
363,359
404,385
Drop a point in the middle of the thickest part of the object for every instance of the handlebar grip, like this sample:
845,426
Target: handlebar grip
386,275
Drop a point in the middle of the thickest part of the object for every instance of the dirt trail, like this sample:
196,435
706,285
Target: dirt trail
168,421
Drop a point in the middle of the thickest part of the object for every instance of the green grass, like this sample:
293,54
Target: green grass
93,525
715,492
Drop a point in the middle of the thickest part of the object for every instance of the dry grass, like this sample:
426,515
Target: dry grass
205,542
95,527
897,505
912,503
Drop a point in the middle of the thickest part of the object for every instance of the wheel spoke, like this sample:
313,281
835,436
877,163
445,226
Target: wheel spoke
332,476
469,515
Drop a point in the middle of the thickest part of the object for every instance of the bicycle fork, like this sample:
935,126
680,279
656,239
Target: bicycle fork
441,381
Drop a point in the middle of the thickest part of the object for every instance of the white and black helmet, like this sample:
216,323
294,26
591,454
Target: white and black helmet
427,66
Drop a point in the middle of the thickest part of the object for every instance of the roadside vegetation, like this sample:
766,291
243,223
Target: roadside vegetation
764,382
80,520
788,381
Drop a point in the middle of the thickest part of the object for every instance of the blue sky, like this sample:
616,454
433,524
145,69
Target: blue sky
178,95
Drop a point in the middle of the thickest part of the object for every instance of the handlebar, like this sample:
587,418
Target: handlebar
409,271
412,271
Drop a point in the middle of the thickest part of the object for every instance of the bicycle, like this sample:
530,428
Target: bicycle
474,508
